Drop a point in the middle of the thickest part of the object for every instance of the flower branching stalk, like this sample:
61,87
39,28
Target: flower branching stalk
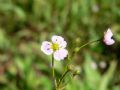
68,70
78,48
57,48
63,76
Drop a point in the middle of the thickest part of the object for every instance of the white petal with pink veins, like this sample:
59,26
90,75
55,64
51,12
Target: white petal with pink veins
108,37
60,54
46,47
57,39
63,44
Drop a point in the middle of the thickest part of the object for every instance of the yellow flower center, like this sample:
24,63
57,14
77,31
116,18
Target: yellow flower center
55,46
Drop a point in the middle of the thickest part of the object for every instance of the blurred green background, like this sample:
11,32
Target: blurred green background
24,24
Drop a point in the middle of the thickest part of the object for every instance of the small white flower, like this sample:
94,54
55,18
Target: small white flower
103,64
95,8
93,65
108,37
56,47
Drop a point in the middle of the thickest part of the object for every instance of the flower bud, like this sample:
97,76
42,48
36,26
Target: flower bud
77,72
70,67
108,40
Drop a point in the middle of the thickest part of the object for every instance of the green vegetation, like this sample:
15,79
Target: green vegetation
24,24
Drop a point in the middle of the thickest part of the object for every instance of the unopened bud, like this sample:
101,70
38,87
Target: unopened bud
77,72
76,49
70,67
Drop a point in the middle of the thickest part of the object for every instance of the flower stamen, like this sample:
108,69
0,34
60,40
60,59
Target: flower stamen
55,46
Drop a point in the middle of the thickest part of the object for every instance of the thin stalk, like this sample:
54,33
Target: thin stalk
53,71
65,73
87,44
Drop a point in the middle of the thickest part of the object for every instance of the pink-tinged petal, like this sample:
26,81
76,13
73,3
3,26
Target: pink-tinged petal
109,42
63,44
108,37
57,39
108,34
60,54
46,47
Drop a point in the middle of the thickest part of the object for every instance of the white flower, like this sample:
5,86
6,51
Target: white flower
103,64
95,8
93,65
108,37
56,47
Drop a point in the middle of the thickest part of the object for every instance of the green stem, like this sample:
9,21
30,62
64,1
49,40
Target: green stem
86,44
53,72
62,77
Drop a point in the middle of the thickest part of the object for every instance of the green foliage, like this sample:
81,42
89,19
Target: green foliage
24,24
